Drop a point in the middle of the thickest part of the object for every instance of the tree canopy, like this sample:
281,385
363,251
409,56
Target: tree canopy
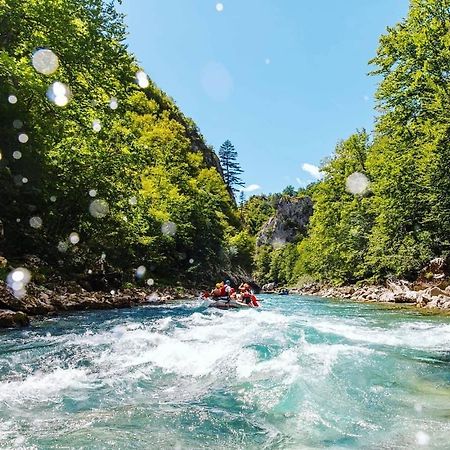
95,159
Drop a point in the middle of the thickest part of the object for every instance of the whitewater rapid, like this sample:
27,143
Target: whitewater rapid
298,373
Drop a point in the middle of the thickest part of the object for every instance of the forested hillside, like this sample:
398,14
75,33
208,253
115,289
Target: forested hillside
97,163
382,208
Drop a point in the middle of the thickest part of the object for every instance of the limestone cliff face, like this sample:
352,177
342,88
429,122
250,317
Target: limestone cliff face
291,218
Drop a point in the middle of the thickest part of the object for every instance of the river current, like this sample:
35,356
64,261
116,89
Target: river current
299,373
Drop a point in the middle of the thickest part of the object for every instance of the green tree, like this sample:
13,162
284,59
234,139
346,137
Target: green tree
230,165
167,206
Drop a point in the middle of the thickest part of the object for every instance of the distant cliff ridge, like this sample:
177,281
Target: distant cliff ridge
291,219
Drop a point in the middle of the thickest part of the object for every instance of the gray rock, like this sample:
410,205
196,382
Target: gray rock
291,218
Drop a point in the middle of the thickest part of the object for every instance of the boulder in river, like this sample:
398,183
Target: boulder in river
11,319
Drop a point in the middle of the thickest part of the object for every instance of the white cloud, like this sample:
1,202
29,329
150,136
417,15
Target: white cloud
312,170
251,188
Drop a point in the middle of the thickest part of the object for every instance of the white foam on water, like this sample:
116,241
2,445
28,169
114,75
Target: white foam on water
269,360
414,335
43,386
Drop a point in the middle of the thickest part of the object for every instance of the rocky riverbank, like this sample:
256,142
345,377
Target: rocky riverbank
15,312
421,295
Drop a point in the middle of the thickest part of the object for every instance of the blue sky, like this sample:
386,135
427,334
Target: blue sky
284,80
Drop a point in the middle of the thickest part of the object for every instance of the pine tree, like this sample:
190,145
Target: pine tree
231,168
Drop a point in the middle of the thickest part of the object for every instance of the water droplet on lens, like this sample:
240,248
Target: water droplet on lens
59,93
45,61
17,124
150,282
99,208
191,261
36,222
169,228
74,238
12,99
96,125
113,103
17,180
24,180
422,438
62,246
133,201
140,271
17,280
23,138
142,79
357,183
17,154
53,198
92,193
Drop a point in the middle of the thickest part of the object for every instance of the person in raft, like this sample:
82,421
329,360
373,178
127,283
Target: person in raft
247,295
223,289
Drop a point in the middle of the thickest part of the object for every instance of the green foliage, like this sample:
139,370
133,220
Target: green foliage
148,162
256,211
242,249
404,219
230,166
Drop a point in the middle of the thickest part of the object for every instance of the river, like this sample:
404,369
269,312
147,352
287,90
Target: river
298,373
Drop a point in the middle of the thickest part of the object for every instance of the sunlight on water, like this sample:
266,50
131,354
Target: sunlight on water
299,373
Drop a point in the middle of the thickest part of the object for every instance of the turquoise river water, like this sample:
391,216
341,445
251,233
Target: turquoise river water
299,373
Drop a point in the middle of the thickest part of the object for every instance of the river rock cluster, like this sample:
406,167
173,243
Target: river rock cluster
422,296
430,290
69,296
